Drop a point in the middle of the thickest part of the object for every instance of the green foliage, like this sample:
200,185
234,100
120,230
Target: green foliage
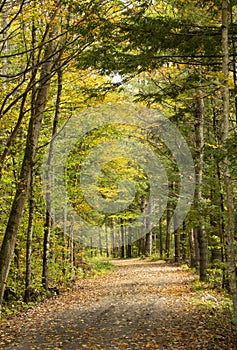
155,257
101,266
112,173
215,277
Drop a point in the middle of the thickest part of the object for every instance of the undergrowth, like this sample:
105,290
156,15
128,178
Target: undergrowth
99,266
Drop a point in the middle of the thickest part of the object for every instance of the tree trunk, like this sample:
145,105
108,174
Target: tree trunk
4,46
160,238
64,252
230,223
232,21
29,239
129,249
48,215
107,241
176,232
167,238
141,248
201,233
122,252
148,244
21,194
193,262
112,238
71,246
154,240
148,236
183,239
176,242
100,244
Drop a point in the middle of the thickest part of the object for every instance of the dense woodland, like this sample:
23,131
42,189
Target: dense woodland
59,58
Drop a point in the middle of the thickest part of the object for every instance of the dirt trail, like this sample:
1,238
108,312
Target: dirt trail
141,305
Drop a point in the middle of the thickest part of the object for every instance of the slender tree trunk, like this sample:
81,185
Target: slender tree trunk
183,239
221,220
29,239
4,46
176,233
154,240
201,233
48,215
234,58
215,220
32,181
65,232
21,194
100,245
161,238
230,223
148,236
71,246
142,246
176,242
46,249
168,220
193,262
107,241
168,236
220,202
129,250
148,243
112,238
122,255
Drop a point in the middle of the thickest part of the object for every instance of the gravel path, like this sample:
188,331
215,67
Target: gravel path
141,305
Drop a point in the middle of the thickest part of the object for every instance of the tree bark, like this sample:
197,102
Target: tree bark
234,58
148,237
160,239
129,249
122,252
107,241
4,49
71,246
112,238
183,239
168,236
29,239
193,262
201,233
176,242
48,214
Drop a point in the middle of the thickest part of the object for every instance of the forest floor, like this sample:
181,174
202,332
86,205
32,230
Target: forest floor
140,305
